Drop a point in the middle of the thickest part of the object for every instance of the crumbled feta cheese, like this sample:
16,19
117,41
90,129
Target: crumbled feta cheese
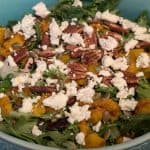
35,77
64,25
98,15
143,37
130,45
77,3
41,66
139,30
60,49
104,73
44,47
11,61
73,39
119,74
20,80
71,88
88,29
27,105
93,46
107,61
139,74
55,32
50,81
86,94
127,105
97,126
78,113
36,131
57,64
120,64
41,10
26,26
2,95
80,138
56,101
1,64
143,60
106,15
108,43
119,83
127,24
1,118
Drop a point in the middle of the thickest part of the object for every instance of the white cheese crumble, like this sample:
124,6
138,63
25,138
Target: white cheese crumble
44,47
11,61
139,30
97,126
130,45
143,60
117,64
77,3
56,101
59,49
106,15
86,94
127,24
143,37
27,104
73,39
104,73
2,95
64,25
55,32
57,64
36,131
108,43
98,15
127,104
41,10
80,138
1,64
88,29
78,113
1,118
119,83
26,26
71,88
139,74
50,81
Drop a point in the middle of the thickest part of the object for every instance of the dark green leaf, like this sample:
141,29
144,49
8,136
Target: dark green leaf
38,31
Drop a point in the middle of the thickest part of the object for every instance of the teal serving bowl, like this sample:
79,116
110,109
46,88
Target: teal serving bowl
14,10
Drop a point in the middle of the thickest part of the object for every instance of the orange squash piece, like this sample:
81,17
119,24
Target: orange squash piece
5,105
83,126
4,52
2,35
93,140
143,106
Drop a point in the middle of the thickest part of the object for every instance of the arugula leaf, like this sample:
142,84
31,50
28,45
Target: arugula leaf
5,83
143,89
143,19
54,73
38,31
32,45
107,90
65,11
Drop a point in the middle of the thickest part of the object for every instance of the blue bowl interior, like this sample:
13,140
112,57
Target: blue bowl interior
15,9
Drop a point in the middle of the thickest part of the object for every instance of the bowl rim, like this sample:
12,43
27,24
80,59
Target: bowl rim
33,146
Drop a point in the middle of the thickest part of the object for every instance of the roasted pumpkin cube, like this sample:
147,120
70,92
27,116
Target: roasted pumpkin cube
93,140
83,126
2,35
4,52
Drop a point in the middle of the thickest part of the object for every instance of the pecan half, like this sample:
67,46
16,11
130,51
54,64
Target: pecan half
71,47
30,62
115,35
42,89
19,55
91,56
46,53
77,71
45,39
107,80
143,45
74,29
71,101
76,53
90,40
131,78
116,28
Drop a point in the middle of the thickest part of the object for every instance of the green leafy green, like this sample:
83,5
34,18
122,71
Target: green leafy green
33,44
112,91
143,19
38,31
5,83
65,11
54,73
143,89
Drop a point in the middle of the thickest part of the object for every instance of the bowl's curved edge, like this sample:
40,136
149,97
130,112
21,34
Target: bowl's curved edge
126,145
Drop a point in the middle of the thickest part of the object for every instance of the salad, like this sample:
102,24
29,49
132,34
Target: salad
75,76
